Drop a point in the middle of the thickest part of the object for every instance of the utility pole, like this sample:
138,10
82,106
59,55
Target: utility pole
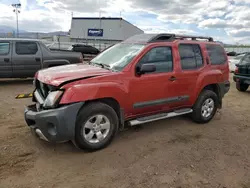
17,11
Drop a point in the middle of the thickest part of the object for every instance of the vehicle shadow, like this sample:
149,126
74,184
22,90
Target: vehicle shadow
16,81
129,134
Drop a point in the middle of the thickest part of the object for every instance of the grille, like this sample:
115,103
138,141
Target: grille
42,88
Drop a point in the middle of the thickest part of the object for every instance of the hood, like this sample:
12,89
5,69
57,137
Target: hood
57,75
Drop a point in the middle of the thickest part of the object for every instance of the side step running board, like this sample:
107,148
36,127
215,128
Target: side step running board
160,116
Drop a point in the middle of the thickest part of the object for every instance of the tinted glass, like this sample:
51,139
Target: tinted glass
161,57
26,48
245,60
198,55
4,48
216,54
188,57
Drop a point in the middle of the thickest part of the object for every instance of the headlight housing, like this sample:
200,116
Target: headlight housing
52,99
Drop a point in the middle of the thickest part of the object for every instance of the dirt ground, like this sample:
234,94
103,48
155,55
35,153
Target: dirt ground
170,153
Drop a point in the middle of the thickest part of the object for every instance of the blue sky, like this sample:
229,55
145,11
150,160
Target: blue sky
225,20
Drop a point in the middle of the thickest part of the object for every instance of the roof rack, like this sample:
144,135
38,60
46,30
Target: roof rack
171,37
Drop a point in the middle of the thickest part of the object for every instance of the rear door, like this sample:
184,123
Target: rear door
26,58
5,59
244,66
191,64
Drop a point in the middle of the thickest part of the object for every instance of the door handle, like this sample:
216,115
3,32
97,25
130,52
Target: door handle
172,78
6,59
38,59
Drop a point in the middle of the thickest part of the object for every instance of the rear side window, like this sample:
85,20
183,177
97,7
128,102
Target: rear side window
26,48
216,54
191,56
4,48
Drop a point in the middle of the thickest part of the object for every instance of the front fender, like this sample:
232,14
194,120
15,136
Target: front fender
92,91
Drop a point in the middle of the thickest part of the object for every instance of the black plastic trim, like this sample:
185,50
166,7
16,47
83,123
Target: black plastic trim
161,101
63,119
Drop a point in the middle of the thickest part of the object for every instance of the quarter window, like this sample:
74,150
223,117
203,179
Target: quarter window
4,48
26,48
216,54
161,57
191,56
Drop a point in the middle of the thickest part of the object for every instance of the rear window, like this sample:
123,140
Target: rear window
216,54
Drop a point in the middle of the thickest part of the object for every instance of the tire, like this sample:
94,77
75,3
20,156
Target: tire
241,87
90,134
204,115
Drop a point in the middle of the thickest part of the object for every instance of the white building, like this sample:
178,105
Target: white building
101,31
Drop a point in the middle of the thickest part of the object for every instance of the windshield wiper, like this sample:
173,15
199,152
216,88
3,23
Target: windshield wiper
103,65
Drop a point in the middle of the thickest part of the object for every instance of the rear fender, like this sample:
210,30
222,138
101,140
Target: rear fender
207,78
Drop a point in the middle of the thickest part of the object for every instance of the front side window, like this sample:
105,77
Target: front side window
4,48
118,56
191,56
161,57
26,48
216,54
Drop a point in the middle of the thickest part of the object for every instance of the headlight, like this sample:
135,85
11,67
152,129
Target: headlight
52,99
34,82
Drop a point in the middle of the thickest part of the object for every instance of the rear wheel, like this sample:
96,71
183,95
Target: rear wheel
96,126
205,107
241,86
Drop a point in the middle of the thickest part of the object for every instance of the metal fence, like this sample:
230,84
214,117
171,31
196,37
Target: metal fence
63,41
237,49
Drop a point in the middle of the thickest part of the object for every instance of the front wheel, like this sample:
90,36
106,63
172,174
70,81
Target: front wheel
241,86
96,126
205,107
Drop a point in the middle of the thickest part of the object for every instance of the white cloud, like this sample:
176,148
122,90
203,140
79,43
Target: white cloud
231,16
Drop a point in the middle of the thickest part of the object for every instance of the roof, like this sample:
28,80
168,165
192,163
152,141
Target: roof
164,37
18,39
96,18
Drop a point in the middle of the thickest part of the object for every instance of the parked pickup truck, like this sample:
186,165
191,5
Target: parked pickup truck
146,78
22,58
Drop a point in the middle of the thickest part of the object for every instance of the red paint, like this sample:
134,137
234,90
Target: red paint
57,75
127,88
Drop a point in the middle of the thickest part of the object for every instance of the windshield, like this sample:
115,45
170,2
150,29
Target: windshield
118,56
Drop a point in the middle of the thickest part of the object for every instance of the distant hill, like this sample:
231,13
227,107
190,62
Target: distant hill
8,29
5,30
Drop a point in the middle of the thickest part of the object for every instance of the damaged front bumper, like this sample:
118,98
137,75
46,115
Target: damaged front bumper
54,125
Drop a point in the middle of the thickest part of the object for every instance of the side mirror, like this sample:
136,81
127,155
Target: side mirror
145,68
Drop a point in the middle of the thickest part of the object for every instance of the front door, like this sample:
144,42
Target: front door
5,60
26,59
155,91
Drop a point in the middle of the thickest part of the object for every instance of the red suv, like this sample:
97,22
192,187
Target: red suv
146,78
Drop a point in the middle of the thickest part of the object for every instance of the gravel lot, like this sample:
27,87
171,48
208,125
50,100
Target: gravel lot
170,153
